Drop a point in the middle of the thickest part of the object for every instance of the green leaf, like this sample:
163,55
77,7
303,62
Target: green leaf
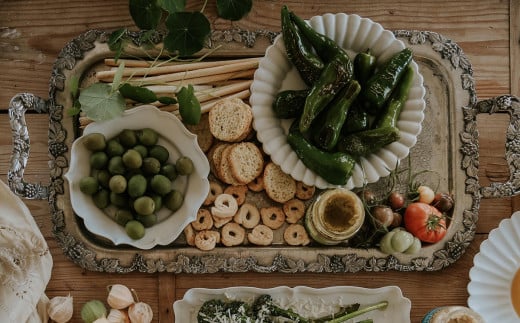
99,102
172,5
145,13
187,32
233,9
166,100
74,86
74,110
116,42
137,93
189,106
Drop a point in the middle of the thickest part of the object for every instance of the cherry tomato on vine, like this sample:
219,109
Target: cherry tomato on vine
425,222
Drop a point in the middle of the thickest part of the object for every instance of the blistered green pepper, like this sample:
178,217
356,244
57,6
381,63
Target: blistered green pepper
333,78
380,86
300,51
334,167
328,133
366,142
357,120
364,66
289,104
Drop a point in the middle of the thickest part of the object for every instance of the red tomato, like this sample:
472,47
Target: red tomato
425,222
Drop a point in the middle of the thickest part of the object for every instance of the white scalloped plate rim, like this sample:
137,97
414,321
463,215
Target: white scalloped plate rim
275,73
179,141
494,267
305,300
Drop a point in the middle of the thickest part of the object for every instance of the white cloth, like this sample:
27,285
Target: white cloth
25,262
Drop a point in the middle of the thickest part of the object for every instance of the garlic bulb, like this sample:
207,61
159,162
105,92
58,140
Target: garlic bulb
140,313
117,316
120,297
101,320
60,308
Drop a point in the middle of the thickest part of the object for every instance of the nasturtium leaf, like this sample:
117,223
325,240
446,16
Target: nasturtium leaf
99,102
187,32
145,13
189,106
116,42
137,93
172,5
166,100
74,86
75,109
233,9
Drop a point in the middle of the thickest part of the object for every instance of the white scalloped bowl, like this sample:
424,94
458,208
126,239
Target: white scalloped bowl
276,73
178,141
494,268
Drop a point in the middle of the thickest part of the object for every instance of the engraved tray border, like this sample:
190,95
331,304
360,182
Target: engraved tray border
94,255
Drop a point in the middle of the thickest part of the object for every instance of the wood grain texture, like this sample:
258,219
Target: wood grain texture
33,33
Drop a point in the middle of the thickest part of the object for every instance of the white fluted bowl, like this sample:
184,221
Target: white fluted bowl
276,73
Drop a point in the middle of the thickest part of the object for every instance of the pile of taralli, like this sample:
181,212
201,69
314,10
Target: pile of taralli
250,197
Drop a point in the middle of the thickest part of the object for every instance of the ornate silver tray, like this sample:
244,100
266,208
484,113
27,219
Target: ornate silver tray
447,145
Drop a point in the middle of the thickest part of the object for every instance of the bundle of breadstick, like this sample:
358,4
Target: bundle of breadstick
212,79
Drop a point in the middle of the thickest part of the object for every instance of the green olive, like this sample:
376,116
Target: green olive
157,199
160,153
136,186
184,165
147,220
94,141
103,177
116,166
135,229
144,205
132,159
142,150
114,148
117,183
169,170
101,198
122,216
98,160
151,166
127,138
147,137
173,200
89,185
119,200
160,184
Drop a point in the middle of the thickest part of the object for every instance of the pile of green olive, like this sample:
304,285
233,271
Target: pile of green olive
132,174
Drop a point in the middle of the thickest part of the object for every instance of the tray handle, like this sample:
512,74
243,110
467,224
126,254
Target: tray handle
19,104
511,105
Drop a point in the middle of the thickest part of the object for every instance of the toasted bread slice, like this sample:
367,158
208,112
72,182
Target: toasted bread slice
246,161
279,186
230,120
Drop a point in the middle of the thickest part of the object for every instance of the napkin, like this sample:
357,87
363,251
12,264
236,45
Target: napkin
25,262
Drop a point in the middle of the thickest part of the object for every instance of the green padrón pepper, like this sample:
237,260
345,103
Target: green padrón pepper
357,120
397,100
328,133
289,104
333,78
300,51
336,168
367,142
364,66
379,87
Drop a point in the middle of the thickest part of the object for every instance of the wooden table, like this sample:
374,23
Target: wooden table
32,33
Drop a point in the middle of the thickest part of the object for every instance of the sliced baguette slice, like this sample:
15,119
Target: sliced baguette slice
230,120
279,186
246,161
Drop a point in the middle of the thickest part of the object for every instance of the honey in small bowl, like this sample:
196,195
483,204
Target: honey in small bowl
515,292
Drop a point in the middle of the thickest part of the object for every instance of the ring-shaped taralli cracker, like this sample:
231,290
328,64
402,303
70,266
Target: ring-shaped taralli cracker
219,222
214,190
204,220
304,191
238,192
207,240
225,206
248,216
189,234
296,235
294,210
272,216
232,234
261,235
256,185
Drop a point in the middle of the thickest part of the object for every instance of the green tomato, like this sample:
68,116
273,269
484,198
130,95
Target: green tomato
399,241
